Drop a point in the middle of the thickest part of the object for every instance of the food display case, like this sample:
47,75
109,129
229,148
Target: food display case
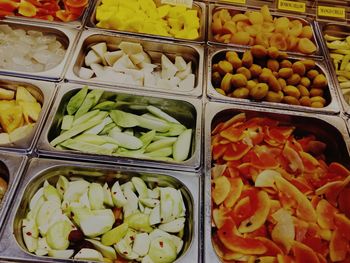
174,131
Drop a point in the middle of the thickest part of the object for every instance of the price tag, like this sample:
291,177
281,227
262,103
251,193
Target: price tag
299,7
237,1
187,3
329,11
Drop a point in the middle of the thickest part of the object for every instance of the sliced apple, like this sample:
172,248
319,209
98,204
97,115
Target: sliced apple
258,219
106,251
30,234
57,235
140,187
62,185
162,250
174,226
75,189
130,207
96,196
141,244
114,235
125,249
139,222
51,194
117,195
97,222
65,254
154,217
221,190
89,254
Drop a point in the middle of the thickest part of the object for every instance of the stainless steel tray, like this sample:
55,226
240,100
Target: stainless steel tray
331,129
11,167
67,38
44,93
199,6
189,52
332,106
335,30
240,9
12,246
188,110
78,23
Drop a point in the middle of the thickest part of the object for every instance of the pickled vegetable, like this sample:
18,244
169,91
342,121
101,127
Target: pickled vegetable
269,76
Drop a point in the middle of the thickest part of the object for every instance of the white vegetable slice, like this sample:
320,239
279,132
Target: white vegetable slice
187,83
112,57
130,47
85,73
92,58
180,63
100,49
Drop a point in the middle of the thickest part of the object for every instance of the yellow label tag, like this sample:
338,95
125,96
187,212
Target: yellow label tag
338,12
299,7
237,1
187,3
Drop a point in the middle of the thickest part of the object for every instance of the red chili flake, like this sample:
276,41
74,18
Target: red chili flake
132,238
125,252
28,233
161,244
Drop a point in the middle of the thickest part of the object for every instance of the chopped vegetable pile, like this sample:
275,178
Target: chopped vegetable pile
94,124
97,221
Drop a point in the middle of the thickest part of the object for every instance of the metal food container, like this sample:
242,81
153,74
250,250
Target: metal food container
11,166
241,9
64,35
331,107
330,129
199,6
337,30
190,52
12,245
186,110
77,23
44,93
